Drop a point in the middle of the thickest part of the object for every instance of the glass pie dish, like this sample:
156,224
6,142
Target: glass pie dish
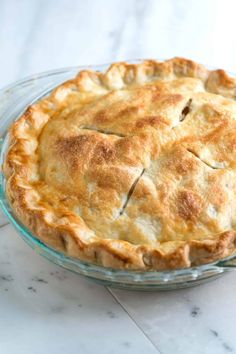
14,100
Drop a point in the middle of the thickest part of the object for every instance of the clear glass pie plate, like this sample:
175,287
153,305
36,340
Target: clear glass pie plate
14,100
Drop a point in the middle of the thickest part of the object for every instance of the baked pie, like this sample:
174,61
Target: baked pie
133,168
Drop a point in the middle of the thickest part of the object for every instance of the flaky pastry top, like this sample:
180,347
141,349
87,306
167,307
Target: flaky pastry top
131,168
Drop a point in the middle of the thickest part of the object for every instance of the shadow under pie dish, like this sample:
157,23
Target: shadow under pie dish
131,168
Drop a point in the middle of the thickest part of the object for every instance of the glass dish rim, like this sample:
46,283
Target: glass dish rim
219,265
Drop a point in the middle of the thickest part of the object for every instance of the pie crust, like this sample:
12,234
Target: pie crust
133,168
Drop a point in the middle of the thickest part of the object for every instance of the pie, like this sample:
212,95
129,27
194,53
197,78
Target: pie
133,168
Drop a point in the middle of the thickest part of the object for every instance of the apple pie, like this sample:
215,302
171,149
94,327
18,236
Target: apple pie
132,168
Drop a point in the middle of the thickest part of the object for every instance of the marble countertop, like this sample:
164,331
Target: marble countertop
45,309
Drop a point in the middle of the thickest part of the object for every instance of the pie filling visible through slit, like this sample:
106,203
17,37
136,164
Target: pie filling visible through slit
132,168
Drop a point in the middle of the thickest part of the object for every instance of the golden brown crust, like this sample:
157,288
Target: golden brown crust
131,168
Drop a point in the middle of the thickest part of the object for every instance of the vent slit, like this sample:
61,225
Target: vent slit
107,132
130,193
206,163
186,110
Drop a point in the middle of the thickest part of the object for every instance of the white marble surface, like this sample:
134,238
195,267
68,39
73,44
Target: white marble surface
44,309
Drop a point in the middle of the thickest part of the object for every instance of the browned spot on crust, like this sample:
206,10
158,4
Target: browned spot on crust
189,205
151,121
181,163
75,145
129,110
105,152
229,142
166,99
182,166
232,141
73,150
102,117
185,166
84,148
